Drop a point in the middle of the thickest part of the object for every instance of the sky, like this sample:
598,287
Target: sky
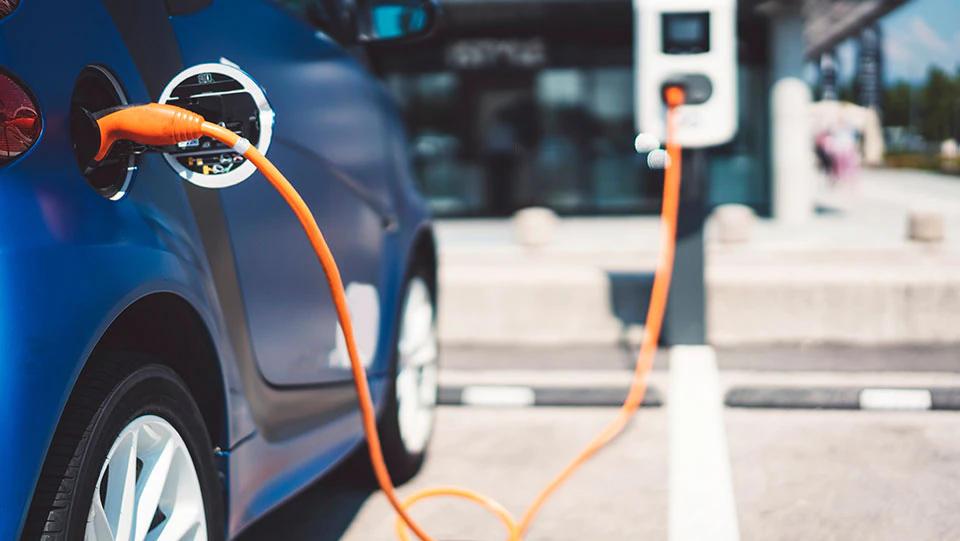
916,35
919,34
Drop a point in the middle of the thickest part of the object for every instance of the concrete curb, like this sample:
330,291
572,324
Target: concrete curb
520,396
845,398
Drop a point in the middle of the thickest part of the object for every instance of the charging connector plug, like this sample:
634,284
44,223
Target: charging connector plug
152,124
139,128
674,95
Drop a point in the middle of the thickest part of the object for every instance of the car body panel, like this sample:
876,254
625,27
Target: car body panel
72,261
60,293
322,100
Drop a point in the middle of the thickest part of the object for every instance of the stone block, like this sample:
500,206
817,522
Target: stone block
925,226
535,226
734,223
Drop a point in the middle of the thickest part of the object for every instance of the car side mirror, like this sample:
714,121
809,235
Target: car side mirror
395,21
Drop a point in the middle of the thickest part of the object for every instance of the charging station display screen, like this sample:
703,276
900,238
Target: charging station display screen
686,33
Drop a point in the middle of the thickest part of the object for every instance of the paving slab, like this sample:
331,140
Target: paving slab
620,495
850,476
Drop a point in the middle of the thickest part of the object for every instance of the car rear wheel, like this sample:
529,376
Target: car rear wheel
407,418
131,460
416,383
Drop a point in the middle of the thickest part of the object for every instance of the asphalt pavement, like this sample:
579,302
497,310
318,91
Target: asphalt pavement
783,474
832,475
509,455
830,358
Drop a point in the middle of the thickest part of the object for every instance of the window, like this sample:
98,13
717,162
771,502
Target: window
488,142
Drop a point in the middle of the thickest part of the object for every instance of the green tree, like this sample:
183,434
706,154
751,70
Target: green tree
937,105
955,104
847,93
896,104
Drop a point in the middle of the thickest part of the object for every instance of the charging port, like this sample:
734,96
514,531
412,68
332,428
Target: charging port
221,101
96,89
226,96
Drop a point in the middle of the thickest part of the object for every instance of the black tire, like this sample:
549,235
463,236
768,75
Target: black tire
112,392
402,463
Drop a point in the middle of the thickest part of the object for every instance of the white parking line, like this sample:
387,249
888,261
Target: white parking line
502,396
541,378
702,505
896,399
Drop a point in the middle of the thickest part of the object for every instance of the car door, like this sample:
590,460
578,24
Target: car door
329,140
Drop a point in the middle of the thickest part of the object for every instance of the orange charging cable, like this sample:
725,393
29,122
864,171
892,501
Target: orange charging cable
157,124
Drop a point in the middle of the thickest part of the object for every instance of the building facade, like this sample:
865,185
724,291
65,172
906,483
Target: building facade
531,102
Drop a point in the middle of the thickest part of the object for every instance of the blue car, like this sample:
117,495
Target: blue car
171,363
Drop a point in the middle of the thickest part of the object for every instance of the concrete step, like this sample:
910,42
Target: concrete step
846,305
888,301
869,259
496,305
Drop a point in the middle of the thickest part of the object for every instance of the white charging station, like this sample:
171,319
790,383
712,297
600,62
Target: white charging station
692,43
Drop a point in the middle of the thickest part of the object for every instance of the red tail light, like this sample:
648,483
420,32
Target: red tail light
7,7
20,120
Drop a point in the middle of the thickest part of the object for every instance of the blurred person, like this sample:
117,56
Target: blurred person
524,116
824,156
501,154
582,129
846,154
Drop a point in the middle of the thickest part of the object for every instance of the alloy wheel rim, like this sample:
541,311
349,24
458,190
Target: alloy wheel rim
418,366
148,488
